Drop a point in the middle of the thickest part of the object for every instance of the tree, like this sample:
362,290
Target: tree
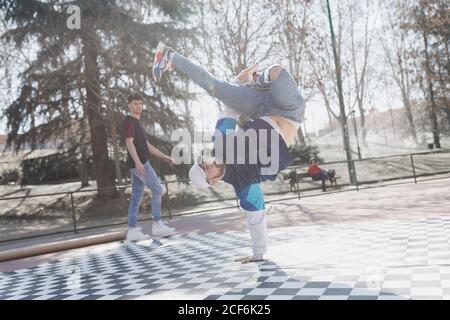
113,47
432,104
397,50
430,22
360,46
319,54
346,140
236,34
293,18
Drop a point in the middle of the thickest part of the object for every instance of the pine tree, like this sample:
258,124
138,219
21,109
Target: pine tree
82,75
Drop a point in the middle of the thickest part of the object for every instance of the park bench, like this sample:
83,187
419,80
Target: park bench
304,177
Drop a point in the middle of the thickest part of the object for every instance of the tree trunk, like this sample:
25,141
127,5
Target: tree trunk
447,110
392,122
446,106
362,121
113,133
433,108
301,136
403,84
83,169
115,148
409,116
96,121
330,121
33,138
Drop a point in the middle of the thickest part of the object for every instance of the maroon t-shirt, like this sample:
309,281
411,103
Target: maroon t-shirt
132,128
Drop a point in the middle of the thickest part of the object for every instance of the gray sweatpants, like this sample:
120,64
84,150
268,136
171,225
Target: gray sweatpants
283,98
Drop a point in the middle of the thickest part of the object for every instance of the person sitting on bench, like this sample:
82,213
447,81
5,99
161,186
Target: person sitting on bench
316,173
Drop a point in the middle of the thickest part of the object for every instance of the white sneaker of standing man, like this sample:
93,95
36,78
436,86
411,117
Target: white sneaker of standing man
136,234
161,230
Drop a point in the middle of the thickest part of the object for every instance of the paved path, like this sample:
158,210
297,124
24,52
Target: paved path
383,243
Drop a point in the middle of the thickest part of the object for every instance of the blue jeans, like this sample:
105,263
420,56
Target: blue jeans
323,175
138,184
283,98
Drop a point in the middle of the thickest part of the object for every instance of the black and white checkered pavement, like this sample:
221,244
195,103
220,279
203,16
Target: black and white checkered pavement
370,260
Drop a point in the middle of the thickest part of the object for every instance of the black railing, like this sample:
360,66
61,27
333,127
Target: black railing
442,168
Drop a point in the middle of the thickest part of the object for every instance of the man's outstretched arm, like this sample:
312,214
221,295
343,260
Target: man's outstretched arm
252,201
155,152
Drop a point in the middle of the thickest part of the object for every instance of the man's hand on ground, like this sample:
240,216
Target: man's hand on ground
248,259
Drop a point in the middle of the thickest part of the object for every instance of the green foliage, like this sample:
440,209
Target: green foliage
49,169
428,24
75,82
303,153
10,175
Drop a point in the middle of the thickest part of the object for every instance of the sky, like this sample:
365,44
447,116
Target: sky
205,109
382,97
205,112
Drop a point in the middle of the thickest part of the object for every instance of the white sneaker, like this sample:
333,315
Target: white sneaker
160,229
135,234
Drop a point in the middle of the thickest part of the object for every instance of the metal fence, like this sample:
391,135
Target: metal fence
74,210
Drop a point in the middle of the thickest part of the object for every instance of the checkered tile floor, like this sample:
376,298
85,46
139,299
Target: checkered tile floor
371,260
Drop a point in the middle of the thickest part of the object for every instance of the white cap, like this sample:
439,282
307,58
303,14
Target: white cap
197,177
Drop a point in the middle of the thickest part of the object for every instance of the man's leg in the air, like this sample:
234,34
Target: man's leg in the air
246,100
286,99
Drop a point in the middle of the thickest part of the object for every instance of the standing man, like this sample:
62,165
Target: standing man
142,173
